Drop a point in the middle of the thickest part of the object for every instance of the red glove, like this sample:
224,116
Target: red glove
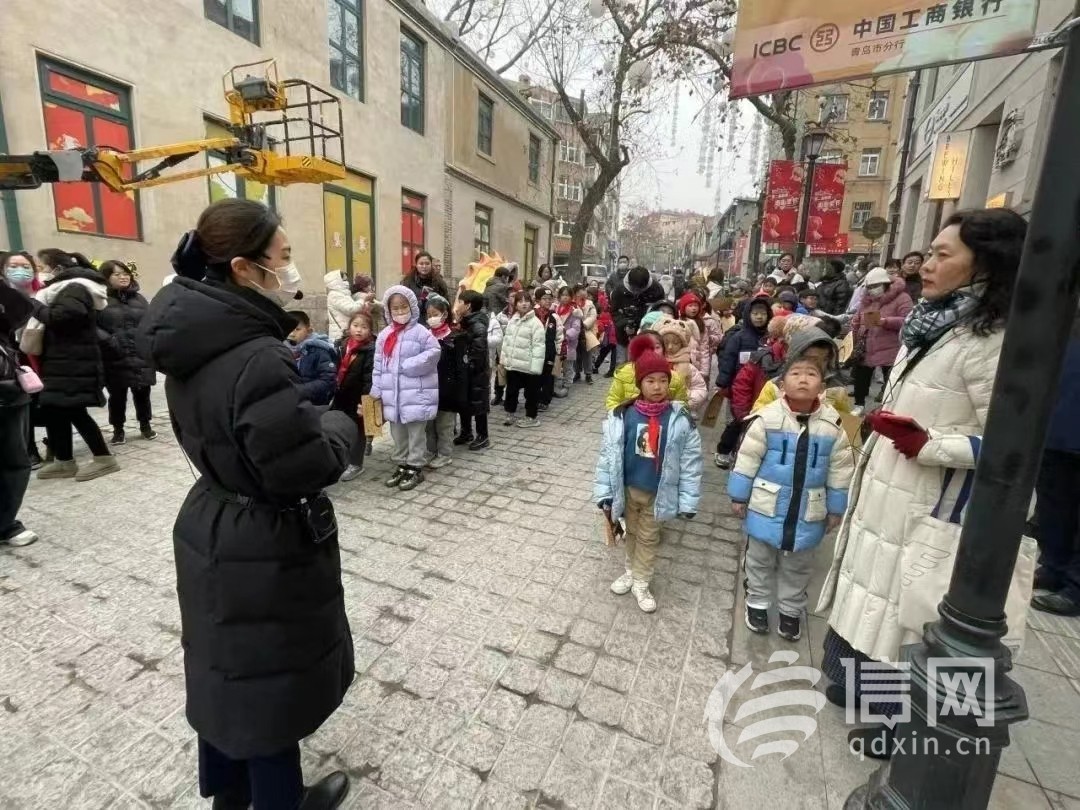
908,436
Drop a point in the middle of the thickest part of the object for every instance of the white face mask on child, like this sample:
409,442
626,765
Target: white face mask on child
435,321
403,318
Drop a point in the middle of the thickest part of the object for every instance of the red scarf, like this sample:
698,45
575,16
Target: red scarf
391,340
565,309
441,331
352,346
652,411
543,314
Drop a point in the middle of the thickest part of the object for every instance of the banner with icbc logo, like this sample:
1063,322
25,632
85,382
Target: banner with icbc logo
780,220
826,202
784,44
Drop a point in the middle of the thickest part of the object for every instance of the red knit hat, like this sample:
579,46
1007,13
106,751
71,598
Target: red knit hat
639,345
686,300
650,362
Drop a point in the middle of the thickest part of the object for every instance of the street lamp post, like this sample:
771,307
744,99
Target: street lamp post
953,665
813,141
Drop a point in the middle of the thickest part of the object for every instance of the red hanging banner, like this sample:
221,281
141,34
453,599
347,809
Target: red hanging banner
826,202
780,221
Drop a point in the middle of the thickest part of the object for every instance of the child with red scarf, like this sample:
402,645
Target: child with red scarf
357,351
553,337
452,382
570,317
649,471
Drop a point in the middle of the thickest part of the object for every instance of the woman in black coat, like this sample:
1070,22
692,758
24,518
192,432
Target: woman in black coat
474,325
70,308
125,369
268,654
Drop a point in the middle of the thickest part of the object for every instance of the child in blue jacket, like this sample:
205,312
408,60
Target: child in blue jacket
649,471
790,484
316,360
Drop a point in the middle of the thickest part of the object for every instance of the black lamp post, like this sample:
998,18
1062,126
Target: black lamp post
949,759
812,143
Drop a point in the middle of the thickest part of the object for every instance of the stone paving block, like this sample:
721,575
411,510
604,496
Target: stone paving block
690,784
169,780
503,636
549,621
589,743
522,766
575,658
452,787
500,796
406,770
647,721
561,688
451,652
399,711
426,679
616,795
602,705
622,644
112,740
486,664
1042,744
522,676
501,709
390,667
463,694
637,761
570,784
542,724
1051,698
478,746
539,646
615,673
660,686
588,633
437,729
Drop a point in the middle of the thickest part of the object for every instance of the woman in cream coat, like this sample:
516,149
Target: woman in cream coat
916,479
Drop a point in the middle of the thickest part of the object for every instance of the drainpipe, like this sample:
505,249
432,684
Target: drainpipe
905,156
7,198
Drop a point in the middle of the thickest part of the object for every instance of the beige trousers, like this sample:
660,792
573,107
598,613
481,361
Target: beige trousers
642,533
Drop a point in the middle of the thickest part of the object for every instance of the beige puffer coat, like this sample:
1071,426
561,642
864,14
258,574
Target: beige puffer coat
948,393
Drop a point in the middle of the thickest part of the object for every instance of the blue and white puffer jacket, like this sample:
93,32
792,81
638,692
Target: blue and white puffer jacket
793,471
680,476
408,381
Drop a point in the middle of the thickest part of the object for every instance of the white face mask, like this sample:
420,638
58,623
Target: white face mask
876,291
435,321
404,317
288,278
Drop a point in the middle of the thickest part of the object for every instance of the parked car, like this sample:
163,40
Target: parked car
589,272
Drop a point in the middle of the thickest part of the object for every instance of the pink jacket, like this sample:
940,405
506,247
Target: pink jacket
883,341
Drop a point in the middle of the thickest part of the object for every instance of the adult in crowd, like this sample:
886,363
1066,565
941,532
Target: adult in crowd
546,277
913,475
715,284
268,655
497,291
68,311
125,368
629,303
423,280
615,277
909,269
833,291
876,327
1058,490
19,270
341,304
15,310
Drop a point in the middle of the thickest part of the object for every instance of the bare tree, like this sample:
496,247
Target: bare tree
502,32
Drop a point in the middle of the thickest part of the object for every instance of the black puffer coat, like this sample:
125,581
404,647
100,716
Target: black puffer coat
453,382
833,293
268,655
357,379
478,363
628,306
71,362
422,287
741,342
124,366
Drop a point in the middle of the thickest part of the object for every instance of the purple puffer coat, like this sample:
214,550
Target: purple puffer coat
883,341
407,381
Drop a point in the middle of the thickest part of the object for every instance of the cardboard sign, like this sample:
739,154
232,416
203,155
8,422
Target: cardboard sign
371,410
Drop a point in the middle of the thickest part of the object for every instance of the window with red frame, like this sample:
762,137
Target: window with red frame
412,228
81,110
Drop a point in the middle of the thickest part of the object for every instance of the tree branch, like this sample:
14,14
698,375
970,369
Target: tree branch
530,39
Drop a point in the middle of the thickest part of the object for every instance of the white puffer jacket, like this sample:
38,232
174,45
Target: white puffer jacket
340,305
892,498
524,344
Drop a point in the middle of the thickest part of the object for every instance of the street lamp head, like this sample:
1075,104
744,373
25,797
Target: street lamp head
814,141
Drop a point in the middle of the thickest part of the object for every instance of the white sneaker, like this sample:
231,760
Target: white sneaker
23,538
644,597
722,460
528,422
439,461
622,584
351,472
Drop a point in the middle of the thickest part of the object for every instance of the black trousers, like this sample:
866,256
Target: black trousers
605,350
267,783
547,383
58,425
863,376
14,467
118,395
729,439
481,420
517,381
1058,491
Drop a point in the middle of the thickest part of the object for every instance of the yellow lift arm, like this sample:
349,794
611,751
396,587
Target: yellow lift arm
282,132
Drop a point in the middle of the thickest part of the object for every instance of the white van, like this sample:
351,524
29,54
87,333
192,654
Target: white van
589,272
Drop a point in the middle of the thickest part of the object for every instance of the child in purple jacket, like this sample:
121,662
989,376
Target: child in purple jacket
406,379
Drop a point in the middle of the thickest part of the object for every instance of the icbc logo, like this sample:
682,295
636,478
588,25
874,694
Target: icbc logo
775,47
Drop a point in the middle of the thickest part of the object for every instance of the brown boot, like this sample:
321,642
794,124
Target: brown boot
101,465
58,469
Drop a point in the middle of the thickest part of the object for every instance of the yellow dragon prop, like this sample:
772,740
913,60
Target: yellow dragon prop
480,272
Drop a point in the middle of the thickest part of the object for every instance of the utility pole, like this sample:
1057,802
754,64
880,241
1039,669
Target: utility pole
965,642
905,156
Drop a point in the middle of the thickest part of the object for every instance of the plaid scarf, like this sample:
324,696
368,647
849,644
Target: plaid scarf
929,320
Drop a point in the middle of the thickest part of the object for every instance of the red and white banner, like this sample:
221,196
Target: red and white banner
837,246
826,202
780,221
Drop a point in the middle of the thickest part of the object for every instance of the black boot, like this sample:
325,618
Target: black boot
368,449
875,742
326,794
399,473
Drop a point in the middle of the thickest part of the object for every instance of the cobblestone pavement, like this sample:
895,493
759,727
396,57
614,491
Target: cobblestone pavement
495,669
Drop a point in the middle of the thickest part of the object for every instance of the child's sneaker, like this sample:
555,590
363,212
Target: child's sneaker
351,472
438,461
480,443
395,479
757,619
622,584
790,628
117,437
722,460
462,438
413,478
510,420
644,597
369,447
528,422
148,432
